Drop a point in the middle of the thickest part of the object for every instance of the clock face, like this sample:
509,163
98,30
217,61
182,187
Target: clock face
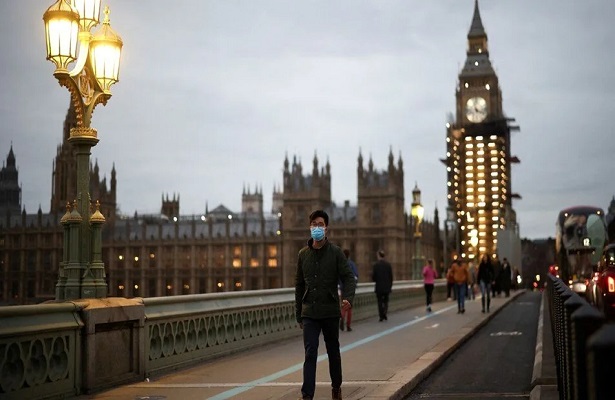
476,109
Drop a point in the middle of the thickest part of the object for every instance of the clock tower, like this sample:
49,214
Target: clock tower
478,157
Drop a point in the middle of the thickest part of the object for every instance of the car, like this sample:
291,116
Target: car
554,270
601,287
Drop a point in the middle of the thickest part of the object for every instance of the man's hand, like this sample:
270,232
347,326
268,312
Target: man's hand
301,325
346,305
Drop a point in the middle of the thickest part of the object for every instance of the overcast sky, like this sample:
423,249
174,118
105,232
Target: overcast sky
213,94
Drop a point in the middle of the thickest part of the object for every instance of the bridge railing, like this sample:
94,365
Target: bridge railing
58,350
584,345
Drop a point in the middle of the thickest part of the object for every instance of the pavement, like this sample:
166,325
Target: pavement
381,360
544,376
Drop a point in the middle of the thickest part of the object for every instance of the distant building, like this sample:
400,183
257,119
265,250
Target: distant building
478,159
610,221
10,192
165,254
538,255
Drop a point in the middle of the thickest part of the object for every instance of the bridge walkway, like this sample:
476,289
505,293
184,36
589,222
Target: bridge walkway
381,360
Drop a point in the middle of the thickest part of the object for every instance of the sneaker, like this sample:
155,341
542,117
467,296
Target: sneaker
463,310
336,394
349,329
428,308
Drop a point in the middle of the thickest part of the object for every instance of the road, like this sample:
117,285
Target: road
495,363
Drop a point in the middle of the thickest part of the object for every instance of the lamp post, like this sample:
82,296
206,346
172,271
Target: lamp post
417,211
68,26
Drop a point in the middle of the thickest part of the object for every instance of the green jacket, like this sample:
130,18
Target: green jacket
316,280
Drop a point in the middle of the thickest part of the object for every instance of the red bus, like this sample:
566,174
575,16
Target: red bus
580,237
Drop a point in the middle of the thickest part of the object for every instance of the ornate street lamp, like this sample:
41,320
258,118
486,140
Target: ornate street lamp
417,212
97,62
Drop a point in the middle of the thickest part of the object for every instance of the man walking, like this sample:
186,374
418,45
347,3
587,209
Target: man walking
429,277
320,266
347,312
382,274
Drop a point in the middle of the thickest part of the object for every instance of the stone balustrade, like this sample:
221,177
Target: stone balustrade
57,350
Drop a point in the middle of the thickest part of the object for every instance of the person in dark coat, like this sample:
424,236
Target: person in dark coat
347,312
506,277
320,266
382,274
496,287
485,279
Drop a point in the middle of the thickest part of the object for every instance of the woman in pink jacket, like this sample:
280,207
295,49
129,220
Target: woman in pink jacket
429,276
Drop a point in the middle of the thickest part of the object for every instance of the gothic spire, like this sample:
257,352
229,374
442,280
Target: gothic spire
476,29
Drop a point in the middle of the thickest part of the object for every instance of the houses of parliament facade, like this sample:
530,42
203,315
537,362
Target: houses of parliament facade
220,250
223,250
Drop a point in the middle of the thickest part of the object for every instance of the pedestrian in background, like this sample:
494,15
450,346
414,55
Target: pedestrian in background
473,274
347,313
515,278
485,277
450,283
461,277
506,277
429,277
382,274
496,288
320,266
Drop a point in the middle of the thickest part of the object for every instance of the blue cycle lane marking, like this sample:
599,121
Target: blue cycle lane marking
297,367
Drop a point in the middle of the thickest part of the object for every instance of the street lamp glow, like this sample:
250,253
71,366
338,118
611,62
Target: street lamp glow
105,51
97,63
417,212
61,32
89,13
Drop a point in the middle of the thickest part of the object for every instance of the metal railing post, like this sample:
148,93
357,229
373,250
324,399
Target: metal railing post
570,306
600,356
585,321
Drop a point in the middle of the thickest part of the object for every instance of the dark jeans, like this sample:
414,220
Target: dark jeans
460,292
311,335
485,290
428,293
383,304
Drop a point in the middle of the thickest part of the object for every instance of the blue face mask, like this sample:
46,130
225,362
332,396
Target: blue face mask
318,233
